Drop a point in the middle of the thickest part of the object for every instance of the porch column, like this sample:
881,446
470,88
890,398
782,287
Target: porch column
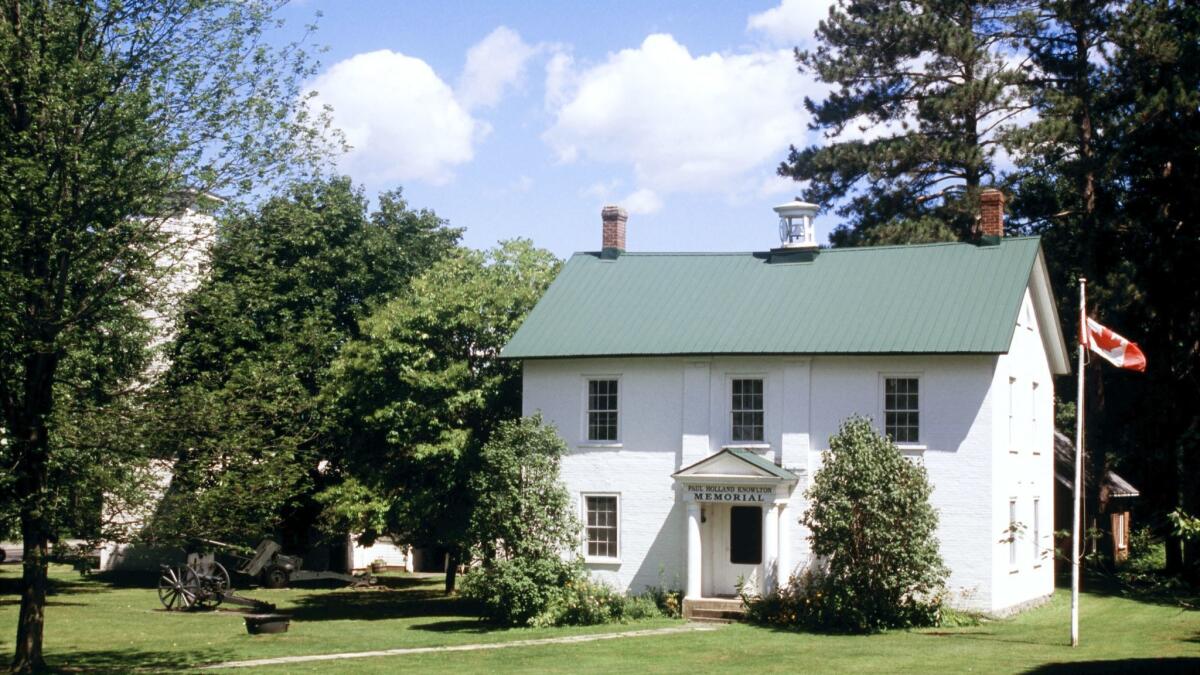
785,544
693,550
770,547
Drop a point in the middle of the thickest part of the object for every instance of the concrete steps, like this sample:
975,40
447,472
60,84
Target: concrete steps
713,610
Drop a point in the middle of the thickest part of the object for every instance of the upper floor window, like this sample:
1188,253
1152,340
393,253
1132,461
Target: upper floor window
901,409
747,410
602,410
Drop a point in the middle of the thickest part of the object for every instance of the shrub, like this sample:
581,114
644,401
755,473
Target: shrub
514,591
871,521
584,602
668,601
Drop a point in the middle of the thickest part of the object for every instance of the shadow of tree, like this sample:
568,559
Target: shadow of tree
1181,664
11,585
472,626
1165,591
126,660
377,605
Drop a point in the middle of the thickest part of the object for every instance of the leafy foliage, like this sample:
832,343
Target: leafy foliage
522,509
872,523
115,116
514,592
241,410
422,389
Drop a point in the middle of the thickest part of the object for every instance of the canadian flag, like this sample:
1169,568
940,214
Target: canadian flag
1115,349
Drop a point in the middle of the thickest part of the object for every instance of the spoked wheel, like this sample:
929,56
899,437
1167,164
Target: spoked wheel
210,586
173,589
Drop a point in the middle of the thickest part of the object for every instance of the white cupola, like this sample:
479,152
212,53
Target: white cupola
796,224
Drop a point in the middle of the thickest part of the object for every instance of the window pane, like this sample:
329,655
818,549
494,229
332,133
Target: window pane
901,420
602,526
746,406
602,410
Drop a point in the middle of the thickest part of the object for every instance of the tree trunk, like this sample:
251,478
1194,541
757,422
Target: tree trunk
451,569
28,425
32,617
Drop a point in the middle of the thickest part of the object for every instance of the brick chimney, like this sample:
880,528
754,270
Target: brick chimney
991,216
614,218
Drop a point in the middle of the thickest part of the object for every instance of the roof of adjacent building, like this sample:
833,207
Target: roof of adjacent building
1064,470
932,298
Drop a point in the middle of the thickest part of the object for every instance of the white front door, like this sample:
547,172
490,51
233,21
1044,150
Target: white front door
732,537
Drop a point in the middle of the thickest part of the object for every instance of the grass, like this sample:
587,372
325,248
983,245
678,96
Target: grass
115,624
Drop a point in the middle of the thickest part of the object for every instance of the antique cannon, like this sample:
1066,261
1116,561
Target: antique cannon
273,569
201,583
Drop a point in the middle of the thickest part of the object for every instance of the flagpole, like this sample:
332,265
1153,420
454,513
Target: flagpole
1078,493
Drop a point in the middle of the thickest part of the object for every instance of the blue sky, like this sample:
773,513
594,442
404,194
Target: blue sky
523,119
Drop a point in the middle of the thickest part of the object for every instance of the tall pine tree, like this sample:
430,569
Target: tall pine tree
924,92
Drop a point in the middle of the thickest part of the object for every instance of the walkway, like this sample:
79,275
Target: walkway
284,660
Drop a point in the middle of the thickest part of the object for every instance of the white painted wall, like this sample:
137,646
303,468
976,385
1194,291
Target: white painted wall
674,411
393,555
1023,465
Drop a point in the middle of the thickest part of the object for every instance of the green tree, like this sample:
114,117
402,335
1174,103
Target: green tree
871,520
522,522
521,507
424,388
1151,422
241,412
935,77
112,116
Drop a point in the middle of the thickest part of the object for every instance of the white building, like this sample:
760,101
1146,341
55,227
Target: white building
698,391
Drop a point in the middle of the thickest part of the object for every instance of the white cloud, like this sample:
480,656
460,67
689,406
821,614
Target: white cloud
400,119
601,189
791,23
682,122
494,64
642,201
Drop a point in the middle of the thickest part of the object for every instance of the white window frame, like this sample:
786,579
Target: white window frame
1037,531
1012,414
922,420
1034,431
729,378
1119,531
583,514
586,442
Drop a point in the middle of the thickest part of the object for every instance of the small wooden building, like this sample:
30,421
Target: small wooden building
1112,518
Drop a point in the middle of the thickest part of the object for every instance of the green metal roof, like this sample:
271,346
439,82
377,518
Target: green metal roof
932,298
762,463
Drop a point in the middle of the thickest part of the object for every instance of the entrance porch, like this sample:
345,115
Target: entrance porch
738,524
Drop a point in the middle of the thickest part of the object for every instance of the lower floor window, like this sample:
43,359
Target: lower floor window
601,526
745,535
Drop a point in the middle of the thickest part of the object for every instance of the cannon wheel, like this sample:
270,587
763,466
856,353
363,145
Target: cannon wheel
212,586
174,591
275,577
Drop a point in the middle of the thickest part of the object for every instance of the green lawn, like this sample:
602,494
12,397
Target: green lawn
97,625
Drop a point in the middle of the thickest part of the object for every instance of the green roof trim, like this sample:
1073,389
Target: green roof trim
929,298
762,463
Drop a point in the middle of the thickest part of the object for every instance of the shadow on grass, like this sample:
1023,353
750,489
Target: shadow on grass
1167,592
470,626
400,598
1181,664
11,586
127,660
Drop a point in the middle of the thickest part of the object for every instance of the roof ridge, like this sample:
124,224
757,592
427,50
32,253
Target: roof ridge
844,249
